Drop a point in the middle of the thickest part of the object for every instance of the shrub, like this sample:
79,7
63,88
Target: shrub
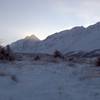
2,53
98,62
6,53
37,58
14,78
58,54
71,59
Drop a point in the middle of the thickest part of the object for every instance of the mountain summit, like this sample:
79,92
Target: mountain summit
32,37
25,44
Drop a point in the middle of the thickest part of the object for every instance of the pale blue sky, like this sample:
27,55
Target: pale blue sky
19,18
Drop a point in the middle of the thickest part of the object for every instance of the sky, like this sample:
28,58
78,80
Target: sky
19,18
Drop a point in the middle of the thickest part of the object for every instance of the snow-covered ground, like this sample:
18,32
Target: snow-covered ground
29,80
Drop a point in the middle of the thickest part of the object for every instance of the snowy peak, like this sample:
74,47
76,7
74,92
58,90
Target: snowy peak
32,37
78,29
25,44
95,27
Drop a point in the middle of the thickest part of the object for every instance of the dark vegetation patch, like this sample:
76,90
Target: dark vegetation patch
98,62
6,53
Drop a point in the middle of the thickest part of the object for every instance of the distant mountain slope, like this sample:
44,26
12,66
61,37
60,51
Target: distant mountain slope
75,39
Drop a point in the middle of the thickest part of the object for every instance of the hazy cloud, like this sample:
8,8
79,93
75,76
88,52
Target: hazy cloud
44,17
85,9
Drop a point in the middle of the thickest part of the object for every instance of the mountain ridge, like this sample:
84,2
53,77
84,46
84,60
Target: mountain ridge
75,39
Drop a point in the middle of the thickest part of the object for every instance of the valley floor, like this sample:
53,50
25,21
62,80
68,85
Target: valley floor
29,80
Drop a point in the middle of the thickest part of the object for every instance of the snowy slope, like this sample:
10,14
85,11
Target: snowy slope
75,39
49,81
78,38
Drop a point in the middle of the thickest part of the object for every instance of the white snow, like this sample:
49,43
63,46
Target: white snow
49,81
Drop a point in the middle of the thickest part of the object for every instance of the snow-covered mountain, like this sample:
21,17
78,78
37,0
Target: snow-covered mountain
25,44
76,39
